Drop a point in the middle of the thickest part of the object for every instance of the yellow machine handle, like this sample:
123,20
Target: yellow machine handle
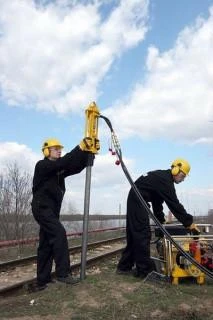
91,128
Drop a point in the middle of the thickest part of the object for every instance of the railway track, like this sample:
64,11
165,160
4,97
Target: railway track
20,273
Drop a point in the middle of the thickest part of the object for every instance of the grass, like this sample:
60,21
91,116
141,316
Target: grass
107,296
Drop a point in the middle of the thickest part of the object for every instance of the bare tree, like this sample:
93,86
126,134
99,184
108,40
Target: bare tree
4,210
15,198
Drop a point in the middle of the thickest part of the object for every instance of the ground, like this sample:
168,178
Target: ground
106,295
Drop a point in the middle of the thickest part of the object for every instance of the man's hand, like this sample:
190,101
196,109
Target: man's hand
85,144
89,144
193,228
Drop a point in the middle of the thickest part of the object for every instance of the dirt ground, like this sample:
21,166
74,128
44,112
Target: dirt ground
106,295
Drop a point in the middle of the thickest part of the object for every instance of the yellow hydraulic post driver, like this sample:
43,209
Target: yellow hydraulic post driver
91,144
173,264
91,128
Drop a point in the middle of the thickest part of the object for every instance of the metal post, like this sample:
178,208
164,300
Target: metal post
86,216
92,146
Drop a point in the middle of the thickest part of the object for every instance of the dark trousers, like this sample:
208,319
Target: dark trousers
53,245
138,233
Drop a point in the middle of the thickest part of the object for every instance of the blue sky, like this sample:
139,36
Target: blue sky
146,63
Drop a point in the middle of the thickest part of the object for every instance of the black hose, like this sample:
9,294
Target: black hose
145,206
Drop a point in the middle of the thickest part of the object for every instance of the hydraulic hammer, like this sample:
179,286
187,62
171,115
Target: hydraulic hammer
91,128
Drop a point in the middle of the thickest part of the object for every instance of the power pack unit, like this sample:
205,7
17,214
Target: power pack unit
171,262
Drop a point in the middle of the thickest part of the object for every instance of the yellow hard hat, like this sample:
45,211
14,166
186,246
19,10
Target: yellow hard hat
50,143
180,165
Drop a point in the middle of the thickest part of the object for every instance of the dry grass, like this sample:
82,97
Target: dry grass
107,296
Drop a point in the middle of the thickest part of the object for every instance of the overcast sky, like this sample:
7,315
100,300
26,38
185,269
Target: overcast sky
147,64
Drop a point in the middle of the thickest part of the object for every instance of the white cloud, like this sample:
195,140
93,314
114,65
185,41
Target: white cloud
12,152
109,187
176,99
197,201
51,54
201,192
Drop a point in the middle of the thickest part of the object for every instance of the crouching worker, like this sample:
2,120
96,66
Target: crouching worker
48,191
156,187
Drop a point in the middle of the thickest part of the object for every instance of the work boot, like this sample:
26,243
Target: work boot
51,281
124,272
68,280
35,287
139,275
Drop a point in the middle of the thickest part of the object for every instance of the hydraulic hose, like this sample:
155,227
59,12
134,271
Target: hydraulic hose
144,204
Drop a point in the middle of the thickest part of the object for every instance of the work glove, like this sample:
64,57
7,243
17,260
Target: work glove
85,144
193,229
89,144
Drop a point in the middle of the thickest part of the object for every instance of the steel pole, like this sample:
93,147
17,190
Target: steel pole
86,216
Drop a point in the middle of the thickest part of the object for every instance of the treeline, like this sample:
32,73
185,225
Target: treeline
16,220
15,199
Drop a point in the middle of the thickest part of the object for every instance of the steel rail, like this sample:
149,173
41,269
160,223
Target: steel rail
24,284
74,249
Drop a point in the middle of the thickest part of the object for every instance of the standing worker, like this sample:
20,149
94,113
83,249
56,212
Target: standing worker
156,187
48,192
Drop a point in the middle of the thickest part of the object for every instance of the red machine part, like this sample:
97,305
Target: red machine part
202,253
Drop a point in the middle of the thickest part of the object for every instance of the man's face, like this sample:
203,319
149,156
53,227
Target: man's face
55,153
179,177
